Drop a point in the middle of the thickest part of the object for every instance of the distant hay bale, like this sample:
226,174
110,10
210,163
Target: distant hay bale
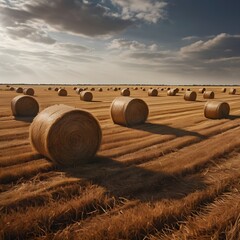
162,89
208,95
12,89
28,91
19,90
176,90
56,89
100,89
129,111
232,91
119,88
190,96
86,96
62,92
67,136
125,92
188,89
144,89
202,90
171,92
78,90
115,89
24,106
7,86
223,90
108,89
92,89
182,89
74,88
168,88
152,92
49,88
135,88
216,110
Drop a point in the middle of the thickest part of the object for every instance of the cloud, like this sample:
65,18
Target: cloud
123,44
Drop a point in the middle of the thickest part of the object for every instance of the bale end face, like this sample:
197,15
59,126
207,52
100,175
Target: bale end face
190,96
129,111
62,92
216,110
28,91
19,90
125,92
24,106
153,92
232,91
208,95
86,96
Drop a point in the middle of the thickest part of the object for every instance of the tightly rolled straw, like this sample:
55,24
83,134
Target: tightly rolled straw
190,96
129,111
86,96
171,92
115,89
232,91
68,136
56,89
202,90
12,89
208,95
78,90
135,88
176,90
125,92
19,90
100,89
152,92
223,90
216,110
62,92
24,106
92,89
28,91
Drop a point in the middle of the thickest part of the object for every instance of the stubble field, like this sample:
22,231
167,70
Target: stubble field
175,177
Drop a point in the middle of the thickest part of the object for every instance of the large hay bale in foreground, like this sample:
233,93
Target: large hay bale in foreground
19,90
190,96
125,92
86,96
232,91
62,92
28,91
129,111
216,110
208,95
202,90
24,106
152,92
66,135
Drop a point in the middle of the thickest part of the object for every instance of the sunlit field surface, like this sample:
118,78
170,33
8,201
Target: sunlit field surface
175,177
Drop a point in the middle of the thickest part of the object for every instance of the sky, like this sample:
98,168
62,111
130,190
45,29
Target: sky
120,42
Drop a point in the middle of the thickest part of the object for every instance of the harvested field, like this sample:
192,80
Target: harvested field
177,176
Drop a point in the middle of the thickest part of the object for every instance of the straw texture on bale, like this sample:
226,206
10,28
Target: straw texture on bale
24,106
68,136
202,90
125,92
62,92
19,90
216,110
78,90
190,96
86,96
28,91
152,92
223,90
129,111
171,92
208,95
232,91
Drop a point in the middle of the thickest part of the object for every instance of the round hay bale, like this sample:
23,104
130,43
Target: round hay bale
223,90
125,92
92,89
119,88
202,90
168,88
115,89
171,92
162,89
152,92
108,89
190,96
62,92
182,89
56,89
176,90
67,136
144,89
216,110
78,90
49,88
12,89
28,91
208,95
24,106
19,90
129,111
86,96
135,88
100,89
74,88
188,89
232,91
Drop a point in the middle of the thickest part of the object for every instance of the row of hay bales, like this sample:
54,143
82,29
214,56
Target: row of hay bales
25,91
69,136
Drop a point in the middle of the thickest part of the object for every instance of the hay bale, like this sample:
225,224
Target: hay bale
232,91
86,96
190,96
78,90
49,88
176,90
171,92
24,106
119,88
182,89
92,89
135,88
56,89
188,89
216,110
67,136
19,90
129,111
28,91
115,89
202,90
62,92
144,89
74,88
12,89
125,92
100,89
152,92
223,90
208,95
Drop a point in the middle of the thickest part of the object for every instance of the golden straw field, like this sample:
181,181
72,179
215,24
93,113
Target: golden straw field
175,177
